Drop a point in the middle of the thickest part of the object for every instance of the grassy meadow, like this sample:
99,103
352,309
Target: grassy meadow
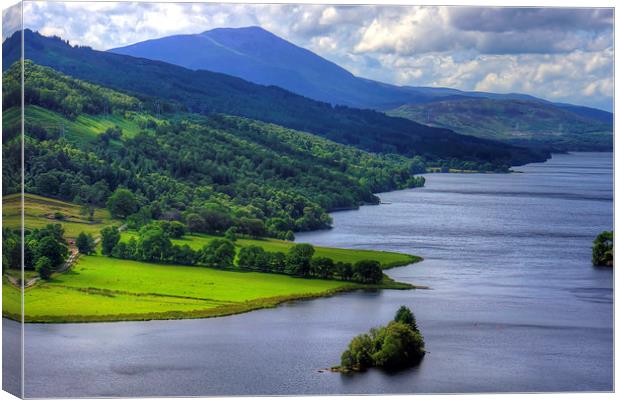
100,288
39,211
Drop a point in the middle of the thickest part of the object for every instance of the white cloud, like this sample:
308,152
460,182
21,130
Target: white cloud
559,54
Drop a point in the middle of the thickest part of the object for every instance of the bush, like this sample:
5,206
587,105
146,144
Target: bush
52,249
219,253
277,262
195,223
298,259
251,257
359,354
183,255
153,244
110,236
176,229
122,203
603,249
405,316
44,267
398,346
344,270
322,267
367,271
85,243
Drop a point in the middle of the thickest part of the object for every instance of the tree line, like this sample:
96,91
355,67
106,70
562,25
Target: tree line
45,249
153,244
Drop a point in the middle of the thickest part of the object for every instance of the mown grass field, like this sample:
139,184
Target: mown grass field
107,289
387,259
39,212
100,288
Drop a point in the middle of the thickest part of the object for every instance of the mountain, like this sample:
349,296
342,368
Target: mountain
209,92
521,122
259,56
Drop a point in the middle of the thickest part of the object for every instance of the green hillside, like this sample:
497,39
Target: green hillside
167,87
261,178
40,211
523,122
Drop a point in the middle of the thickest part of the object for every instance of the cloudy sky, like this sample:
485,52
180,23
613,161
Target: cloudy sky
558,54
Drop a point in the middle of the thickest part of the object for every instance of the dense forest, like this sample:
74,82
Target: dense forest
207,93
211,172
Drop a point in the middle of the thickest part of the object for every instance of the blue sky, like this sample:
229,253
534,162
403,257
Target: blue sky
556,53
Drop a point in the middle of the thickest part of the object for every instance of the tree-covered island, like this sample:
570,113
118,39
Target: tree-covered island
397,345
603,249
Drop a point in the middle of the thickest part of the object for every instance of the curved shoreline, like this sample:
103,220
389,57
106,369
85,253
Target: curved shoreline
227,309
222,311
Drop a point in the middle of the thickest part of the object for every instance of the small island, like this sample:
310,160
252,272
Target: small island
396,346
603,250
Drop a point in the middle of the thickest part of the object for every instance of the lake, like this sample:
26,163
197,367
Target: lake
514,303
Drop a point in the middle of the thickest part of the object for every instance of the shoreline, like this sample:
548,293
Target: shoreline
222,311
230,309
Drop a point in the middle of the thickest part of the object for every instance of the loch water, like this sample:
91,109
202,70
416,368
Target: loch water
513,305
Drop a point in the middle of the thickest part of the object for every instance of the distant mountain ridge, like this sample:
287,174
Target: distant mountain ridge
259,56
211,93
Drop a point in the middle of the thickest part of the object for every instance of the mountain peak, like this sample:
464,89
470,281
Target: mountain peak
244,29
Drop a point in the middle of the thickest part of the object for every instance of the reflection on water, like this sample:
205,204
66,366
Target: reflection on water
514,303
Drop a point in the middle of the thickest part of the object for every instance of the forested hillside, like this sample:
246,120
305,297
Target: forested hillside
219,171
259,56
207,93
522,122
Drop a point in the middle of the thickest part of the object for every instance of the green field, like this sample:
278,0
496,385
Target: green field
100,288
387,259
81,129
106,289
39,212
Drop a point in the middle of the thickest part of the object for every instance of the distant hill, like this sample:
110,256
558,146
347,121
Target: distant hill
259,56
523,122
209,92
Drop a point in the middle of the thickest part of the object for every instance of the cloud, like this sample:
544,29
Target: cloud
488,30
11,20
519,19
562,54
578,77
